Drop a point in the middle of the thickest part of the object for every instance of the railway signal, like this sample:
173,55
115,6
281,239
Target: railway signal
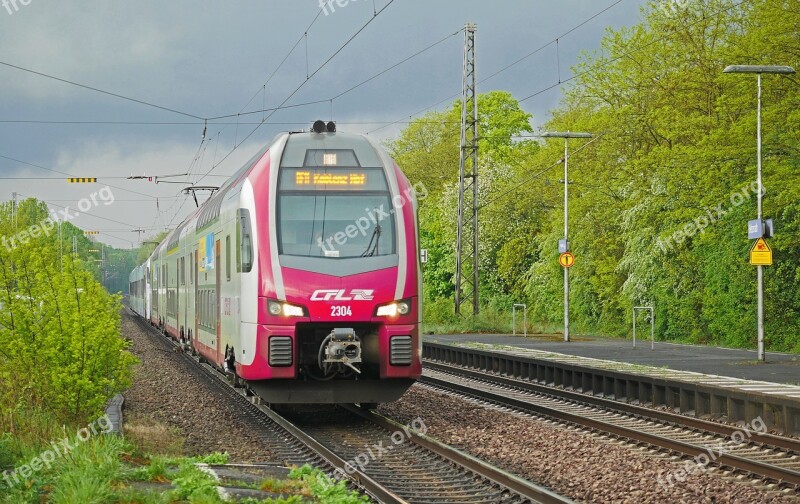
82,180
87,233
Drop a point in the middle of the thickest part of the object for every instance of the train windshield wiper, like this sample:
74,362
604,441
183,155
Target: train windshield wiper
372,247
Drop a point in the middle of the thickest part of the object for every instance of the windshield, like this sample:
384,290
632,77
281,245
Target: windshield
335,212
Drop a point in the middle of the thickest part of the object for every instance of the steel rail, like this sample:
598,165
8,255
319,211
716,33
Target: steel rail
765,439
372,487
500,477
780,474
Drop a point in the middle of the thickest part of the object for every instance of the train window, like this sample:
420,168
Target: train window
331,157
228,257
211,309
336,225
202,305
244,242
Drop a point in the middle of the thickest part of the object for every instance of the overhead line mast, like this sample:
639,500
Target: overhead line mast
467,237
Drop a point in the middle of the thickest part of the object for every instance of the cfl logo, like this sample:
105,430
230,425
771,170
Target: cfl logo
341,295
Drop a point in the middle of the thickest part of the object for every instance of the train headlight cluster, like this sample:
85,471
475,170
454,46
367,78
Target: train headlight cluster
278,308
394,309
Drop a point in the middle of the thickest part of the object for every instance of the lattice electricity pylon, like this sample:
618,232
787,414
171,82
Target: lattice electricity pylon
467,237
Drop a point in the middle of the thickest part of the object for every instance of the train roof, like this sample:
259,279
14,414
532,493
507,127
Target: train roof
298,144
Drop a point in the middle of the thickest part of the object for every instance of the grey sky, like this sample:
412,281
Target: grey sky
208,58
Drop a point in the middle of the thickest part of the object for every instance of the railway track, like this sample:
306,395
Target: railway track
766,456
409,466
390,462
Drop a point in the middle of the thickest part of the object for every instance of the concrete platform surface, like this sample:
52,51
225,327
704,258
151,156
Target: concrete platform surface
735,363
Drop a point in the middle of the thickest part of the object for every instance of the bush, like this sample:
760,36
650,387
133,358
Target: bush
60,347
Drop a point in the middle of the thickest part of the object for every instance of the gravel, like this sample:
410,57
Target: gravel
167,389
571,462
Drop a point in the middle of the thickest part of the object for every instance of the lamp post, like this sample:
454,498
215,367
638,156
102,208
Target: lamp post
758,70
566,135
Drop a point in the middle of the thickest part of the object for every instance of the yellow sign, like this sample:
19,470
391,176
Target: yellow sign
81,180
760,253
566,259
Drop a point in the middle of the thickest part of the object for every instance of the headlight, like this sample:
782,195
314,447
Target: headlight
394,309
278,308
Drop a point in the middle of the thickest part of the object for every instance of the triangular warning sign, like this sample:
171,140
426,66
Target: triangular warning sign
760,253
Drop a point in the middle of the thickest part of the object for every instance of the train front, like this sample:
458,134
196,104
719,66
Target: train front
343,288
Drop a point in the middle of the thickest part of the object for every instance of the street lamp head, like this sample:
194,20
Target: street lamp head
759,69
565,134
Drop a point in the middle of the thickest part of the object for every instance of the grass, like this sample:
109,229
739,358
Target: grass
149,436
143,468
86,474
495,318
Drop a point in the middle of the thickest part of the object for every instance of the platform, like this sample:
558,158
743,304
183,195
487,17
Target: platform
726,385
736,363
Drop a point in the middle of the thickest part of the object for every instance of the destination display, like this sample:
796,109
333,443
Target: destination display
306,178
332,179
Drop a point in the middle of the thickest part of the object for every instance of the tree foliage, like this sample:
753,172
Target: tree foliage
659,200
60,343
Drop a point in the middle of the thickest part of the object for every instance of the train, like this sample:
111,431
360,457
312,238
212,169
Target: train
300,277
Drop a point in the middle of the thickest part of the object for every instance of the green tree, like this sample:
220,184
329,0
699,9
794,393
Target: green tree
60,344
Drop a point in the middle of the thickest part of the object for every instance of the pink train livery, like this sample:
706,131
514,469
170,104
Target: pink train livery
300,277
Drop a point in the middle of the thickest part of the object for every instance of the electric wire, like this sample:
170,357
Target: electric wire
70,175
98,90
605,63
510,65
302,84
540,172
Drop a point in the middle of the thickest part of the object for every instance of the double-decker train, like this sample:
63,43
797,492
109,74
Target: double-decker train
300,276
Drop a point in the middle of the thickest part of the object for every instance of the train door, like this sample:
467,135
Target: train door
177,296
165,303
154,293
184,276
196,295
218,292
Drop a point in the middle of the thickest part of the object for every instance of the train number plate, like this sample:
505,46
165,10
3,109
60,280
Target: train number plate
341,311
